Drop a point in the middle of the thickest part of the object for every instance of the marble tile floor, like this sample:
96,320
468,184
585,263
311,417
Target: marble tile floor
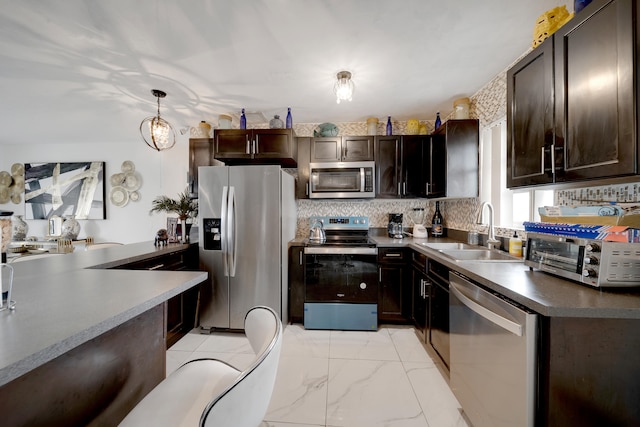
341,378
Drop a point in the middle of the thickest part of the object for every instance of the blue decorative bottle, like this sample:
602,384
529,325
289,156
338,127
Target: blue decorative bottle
389,126
243,120
438,121
289,119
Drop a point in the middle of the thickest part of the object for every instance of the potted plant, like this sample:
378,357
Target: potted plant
184,206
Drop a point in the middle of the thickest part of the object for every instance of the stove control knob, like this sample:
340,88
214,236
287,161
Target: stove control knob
363,286
592,247
591,260
589,272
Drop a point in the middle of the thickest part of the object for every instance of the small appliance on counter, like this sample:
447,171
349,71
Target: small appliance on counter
593,262
395,225
418,216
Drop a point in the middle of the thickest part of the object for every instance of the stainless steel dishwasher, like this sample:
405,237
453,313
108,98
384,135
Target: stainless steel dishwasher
493,356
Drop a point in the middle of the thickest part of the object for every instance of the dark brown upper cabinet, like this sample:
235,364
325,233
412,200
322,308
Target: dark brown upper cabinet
530,124
455,159
400,163
595,98
572,102
255,146
342,149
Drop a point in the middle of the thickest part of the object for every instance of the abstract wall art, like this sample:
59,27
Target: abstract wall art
64,189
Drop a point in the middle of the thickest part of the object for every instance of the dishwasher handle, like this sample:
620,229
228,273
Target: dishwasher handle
513,327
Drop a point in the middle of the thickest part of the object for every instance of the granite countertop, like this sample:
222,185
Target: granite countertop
541,292
64,301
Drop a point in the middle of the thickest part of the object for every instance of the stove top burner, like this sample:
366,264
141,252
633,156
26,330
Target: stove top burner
344,231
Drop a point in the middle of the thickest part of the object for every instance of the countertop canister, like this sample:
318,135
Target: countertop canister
372,126
461,108
224,121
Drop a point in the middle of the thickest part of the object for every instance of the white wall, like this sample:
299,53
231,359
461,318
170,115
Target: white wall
163,173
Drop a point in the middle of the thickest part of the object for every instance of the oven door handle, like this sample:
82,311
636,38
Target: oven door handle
513,327
321,250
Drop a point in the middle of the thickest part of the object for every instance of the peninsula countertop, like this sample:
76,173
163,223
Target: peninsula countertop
66,300
539,291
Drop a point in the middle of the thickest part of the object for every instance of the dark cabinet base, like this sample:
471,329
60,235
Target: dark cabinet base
590,372
180,312
95,384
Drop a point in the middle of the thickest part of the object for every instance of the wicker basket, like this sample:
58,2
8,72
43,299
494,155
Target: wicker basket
549,22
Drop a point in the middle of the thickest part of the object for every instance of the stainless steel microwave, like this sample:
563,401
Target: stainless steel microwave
592,262
342,180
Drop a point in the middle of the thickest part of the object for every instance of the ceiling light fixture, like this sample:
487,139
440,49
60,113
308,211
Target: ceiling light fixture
344,87
156,131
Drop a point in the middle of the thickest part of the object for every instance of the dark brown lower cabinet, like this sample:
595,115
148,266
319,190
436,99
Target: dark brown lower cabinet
181,309
589,372
394,293
296,284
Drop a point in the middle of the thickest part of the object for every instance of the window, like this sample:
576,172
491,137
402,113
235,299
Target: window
511,207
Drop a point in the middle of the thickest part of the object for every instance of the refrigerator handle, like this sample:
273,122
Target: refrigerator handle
223,229
231,214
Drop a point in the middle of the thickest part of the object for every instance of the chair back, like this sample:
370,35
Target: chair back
245,402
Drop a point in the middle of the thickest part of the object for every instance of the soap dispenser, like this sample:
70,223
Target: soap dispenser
515,245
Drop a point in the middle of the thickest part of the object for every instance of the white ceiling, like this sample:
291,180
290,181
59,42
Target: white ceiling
82,70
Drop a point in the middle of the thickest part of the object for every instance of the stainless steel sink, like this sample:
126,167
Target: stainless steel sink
446,246
478,254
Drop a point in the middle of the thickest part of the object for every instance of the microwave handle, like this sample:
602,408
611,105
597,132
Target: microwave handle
362,179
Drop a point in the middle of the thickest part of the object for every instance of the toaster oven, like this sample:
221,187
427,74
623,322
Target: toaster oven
593,262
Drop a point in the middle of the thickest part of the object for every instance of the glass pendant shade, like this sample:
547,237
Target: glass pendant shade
156,131
344,87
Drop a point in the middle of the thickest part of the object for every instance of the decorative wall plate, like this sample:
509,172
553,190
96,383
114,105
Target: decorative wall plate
132,181
128,166
119,196
116,179
5,179
134,196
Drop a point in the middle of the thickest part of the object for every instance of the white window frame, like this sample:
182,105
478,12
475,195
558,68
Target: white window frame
493,180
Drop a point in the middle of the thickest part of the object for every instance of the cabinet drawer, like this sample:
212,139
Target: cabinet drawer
392,255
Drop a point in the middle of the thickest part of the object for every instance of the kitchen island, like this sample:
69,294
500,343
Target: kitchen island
86,341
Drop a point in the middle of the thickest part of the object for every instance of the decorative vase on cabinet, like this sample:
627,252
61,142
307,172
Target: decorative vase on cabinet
70,228
19,228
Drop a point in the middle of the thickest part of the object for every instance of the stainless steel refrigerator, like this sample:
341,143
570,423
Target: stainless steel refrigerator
247,216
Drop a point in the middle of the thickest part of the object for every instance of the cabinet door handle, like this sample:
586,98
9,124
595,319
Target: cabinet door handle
255,146
155,267
306,189
404,188
426,188
553,159
392,255
379,274
248,150
399,193
300,256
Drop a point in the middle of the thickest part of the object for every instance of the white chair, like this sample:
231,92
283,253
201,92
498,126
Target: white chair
210,392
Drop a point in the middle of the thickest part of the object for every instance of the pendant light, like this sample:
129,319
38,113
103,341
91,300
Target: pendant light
156,131
344,87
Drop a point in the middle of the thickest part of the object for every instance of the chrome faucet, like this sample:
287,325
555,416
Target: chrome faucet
492,242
